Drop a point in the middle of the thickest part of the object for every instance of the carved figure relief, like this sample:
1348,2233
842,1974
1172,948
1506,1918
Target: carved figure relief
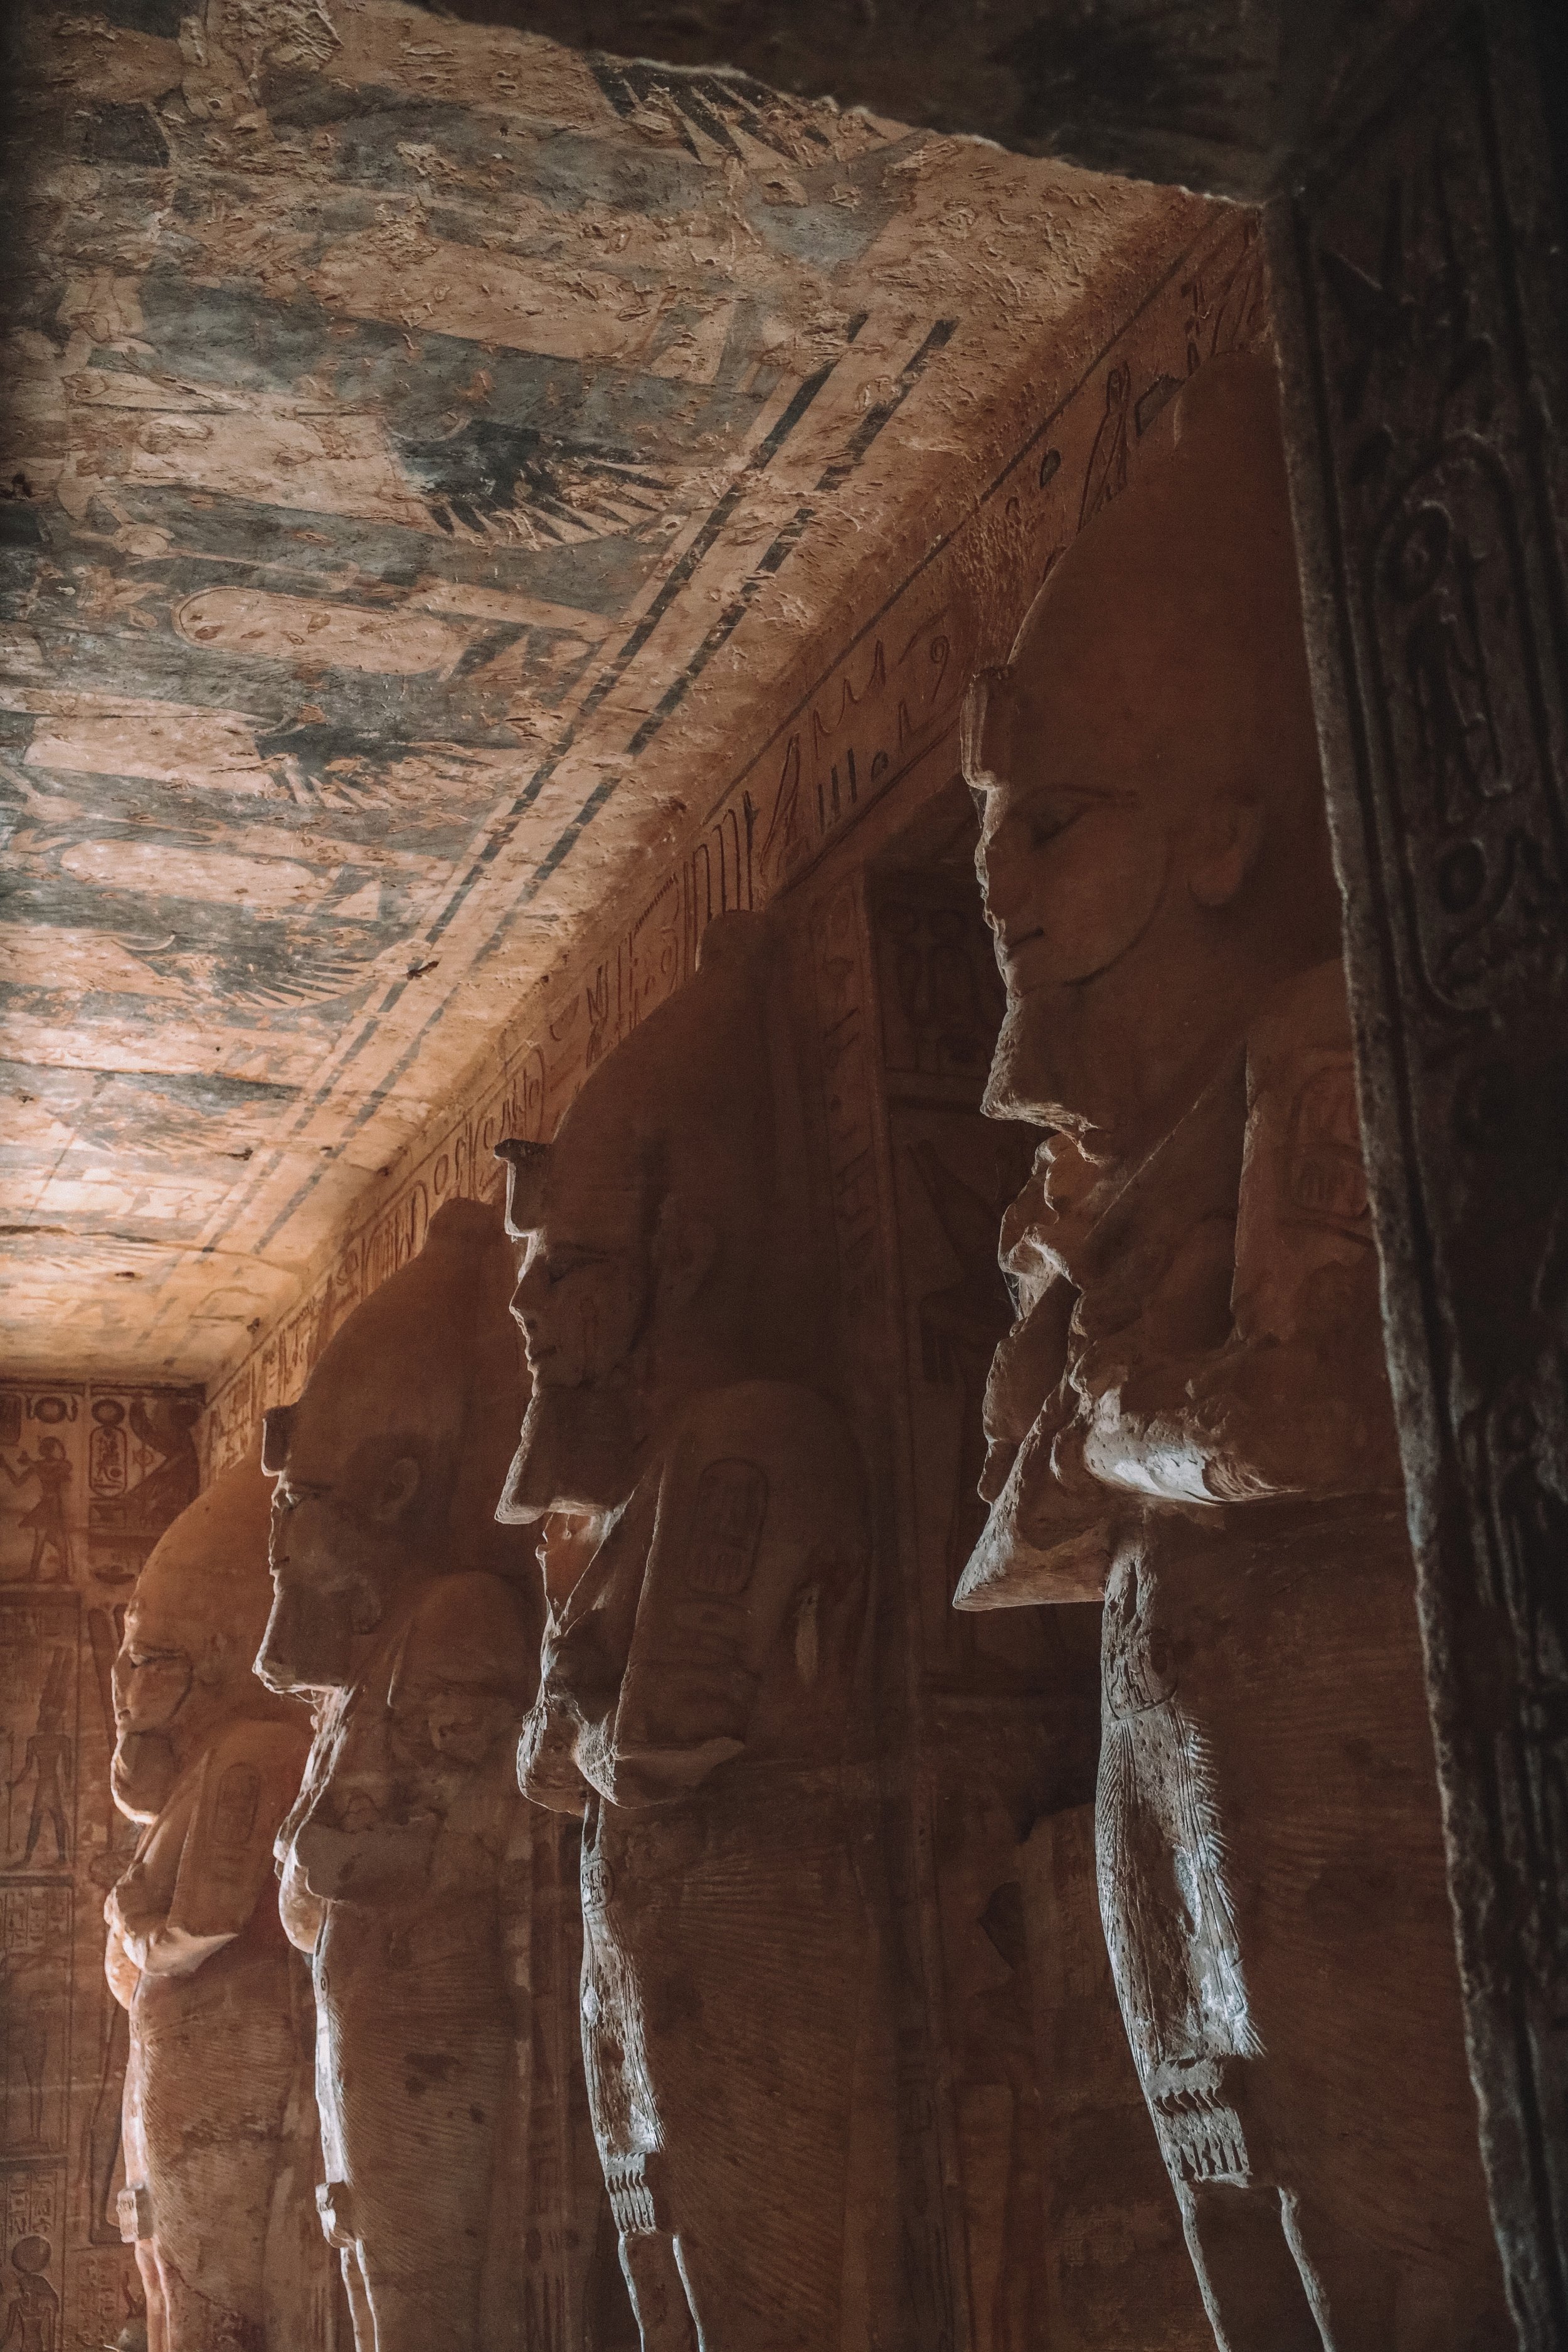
702,1696
402,1609
51,1469
219,2138
1193,1412
32,2313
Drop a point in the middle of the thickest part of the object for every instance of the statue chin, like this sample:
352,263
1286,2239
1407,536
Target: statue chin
1021,1066
310,1638
142,1774
576,1452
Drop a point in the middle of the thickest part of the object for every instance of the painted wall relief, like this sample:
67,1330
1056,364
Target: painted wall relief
92,1476
383,540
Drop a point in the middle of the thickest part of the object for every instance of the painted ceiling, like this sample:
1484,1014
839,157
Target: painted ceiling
429,455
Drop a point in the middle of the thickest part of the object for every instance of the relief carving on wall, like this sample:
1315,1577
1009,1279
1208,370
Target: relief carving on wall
1437,526
71,1540
878,707
1212,1439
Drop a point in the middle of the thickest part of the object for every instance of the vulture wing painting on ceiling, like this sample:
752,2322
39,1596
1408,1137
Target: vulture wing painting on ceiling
404,418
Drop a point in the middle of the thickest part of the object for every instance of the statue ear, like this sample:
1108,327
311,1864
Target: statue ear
209,1668
396,1491
1229,836
525,1166
684,1252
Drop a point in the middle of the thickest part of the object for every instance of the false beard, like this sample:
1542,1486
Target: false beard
142,1774
577,1452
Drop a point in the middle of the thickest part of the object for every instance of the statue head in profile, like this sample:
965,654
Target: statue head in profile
1151,850
383,1470
192,1626
652,1268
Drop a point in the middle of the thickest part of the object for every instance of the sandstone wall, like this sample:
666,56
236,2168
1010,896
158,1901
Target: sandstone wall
118,1464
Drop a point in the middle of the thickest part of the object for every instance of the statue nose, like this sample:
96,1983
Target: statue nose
525,1303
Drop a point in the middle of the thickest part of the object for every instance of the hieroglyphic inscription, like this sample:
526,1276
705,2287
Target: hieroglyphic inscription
1432,373
116,1462
843,1045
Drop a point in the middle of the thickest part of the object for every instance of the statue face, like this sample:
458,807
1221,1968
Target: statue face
151,1679
582,1293
1110,850
583,1301
330,1557
1072,862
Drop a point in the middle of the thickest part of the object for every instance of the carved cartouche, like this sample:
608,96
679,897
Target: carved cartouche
218,2138
399,1607
1213,1437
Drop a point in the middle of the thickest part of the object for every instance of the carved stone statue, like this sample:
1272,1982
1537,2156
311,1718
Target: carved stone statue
703,1692
401,1608
219,2132
1192,1413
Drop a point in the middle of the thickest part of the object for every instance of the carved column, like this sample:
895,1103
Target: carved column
1423,372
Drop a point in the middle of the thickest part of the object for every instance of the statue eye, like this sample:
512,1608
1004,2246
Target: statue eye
560,1264
1050,819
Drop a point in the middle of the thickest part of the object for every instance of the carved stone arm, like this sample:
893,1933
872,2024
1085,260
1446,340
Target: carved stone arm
1302,1412
208,1862
119,1968
760,1505
409,1769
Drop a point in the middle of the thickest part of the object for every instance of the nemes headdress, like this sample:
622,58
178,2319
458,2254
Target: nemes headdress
209,1568
429,1366
699,1108
1173,626
688,1092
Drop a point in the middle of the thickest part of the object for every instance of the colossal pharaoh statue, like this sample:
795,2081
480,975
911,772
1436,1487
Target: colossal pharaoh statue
1193,1413
220,2138
399,1607
703,1691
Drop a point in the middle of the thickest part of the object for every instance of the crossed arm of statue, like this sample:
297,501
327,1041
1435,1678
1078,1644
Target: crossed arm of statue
1219,1339
1256,1369
407,1783
205,1863
738,1560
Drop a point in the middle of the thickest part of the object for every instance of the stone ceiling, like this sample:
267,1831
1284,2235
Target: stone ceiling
432,458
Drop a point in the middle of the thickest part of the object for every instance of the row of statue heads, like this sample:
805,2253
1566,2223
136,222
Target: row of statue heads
571,1515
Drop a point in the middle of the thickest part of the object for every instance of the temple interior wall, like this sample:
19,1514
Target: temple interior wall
120,1463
